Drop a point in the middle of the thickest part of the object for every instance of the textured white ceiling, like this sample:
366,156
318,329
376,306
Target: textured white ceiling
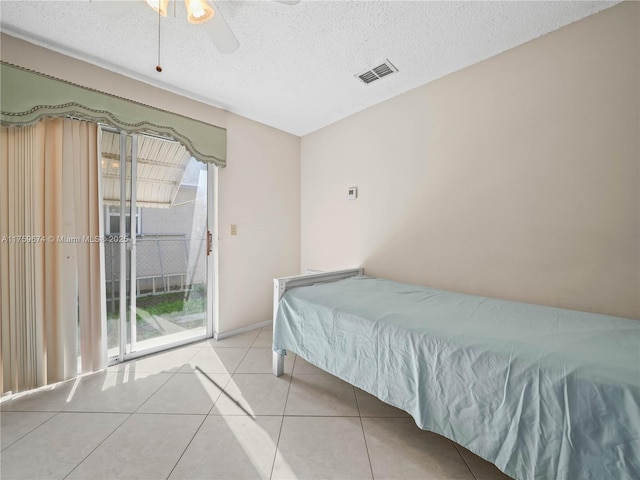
295,65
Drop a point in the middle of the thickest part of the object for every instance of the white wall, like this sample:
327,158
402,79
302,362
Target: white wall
517,177
259,190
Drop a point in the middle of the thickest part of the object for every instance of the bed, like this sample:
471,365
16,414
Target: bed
541,392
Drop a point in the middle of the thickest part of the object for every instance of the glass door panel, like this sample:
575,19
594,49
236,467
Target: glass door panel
156,253
115,163
171,258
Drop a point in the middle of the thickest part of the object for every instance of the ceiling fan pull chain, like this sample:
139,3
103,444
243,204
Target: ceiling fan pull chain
158,67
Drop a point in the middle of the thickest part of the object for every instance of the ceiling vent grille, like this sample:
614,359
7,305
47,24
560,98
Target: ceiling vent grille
376,73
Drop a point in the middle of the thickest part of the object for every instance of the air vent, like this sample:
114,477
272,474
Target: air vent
376,73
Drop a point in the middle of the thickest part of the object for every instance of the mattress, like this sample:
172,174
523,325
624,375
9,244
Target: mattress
540,392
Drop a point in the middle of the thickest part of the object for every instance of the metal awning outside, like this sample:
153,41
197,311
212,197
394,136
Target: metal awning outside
161,168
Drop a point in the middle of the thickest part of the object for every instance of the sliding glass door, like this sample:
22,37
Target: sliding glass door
157,254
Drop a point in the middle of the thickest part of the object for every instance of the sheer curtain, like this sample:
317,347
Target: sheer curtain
50,269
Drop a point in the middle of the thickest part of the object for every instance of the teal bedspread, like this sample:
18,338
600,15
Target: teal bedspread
541,392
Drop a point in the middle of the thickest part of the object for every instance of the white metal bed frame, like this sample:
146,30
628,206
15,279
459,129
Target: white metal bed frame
281,285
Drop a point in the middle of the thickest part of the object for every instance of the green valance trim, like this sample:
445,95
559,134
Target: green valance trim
27,96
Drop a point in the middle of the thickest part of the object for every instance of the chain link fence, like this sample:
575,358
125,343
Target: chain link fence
164,264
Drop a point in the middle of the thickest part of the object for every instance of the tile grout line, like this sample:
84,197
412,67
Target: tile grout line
187,445
163,383
231,374
125,420
282,422
135,412
243,357
99,444
455,445
210,409
129,415
284,410
364,436
55,414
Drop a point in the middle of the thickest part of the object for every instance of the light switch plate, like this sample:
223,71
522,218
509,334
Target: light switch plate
352,193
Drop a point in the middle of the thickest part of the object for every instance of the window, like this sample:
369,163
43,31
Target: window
112,221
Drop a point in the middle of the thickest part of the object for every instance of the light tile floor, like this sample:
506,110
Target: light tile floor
214,411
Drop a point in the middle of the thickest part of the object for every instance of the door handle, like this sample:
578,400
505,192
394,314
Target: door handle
209,242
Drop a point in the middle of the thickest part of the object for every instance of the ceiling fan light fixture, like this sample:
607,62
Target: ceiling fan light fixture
199,11
160,6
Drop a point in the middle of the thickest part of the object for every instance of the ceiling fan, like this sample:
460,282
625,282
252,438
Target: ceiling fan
203,12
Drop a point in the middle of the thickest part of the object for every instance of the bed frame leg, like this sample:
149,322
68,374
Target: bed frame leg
278,364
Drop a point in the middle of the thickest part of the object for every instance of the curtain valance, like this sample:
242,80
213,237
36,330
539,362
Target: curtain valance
27,96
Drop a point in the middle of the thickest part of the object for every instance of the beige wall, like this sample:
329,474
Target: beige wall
260,193
517,177
259,190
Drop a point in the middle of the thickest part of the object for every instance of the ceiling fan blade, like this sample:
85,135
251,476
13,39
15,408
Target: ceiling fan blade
221,34
113,8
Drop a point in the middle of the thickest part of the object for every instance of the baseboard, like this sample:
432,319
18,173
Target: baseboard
231,333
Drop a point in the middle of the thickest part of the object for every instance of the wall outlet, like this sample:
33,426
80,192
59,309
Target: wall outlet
233,230
352,193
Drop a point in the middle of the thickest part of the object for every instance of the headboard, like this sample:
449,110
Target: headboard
281,285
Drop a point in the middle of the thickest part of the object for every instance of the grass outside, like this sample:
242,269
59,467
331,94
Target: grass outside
162,314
